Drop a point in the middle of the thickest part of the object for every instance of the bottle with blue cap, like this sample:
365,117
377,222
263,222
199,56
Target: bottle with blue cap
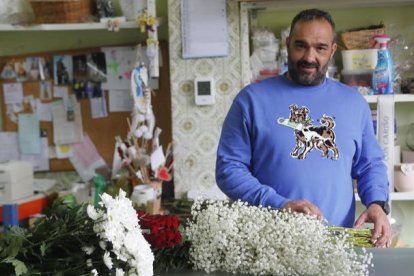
383,75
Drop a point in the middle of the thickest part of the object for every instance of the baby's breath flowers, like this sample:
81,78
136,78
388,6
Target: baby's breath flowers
242,239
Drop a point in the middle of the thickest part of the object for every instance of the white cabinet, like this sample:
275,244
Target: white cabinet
397,98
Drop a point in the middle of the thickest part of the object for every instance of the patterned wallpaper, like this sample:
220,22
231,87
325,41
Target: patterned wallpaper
196,129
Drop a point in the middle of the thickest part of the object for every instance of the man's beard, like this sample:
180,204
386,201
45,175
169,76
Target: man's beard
306,79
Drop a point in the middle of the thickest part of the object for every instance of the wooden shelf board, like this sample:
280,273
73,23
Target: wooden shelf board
66,27
397,196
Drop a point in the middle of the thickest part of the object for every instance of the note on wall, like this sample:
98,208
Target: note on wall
204,28
8,145
65,130
29,133
39,161
86,158
120,100
119,63
98,107
13,93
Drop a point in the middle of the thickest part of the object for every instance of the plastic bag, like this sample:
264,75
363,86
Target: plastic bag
15,12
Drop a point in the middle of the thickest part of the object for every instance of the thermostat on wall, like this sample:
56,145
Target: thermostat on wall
204,93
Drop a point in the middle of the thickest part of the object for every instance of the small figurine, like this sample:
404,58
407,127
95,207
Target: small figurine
143,119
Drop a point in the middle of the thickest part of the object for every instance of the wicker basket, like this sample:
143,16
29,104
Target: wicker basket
61,11
360,39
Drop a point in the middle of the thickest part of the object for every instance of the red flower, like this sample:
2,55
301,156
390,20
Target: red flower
163,229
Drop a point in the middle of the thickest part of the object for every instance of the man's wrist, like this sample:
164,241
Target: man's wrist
383,204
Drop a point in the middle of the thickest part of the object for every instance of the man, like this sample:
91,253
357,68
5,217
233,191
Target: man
296,141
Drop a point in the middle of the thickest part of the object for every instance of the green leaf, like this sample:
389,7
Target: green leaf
19,267
14,246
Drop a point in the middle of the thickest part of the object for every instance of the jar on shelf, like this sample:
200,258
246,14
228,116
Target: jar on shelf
143,198
132,9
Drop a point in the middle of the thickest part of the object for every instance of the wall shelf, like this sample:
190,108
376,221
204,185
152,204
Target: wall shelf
281,5
396,196
66,27
398,98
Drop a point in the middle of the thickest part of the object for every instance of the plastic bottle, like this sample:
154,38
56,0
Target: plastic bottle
383,75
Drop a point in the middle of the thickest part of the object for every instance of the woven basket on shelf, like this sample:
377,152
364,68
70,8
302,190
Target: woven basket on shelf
61,11
360,39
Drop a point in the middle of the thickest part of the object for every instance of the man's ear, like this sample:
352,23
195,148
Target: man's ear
334,47
287,41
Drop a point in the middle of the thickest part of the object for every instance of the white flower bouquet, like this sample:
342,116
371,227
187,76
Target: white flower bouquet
80,240
242,239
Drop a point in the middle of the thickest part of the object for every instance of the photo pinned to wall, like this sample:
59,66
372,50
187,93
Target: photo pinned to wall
79,88
20,69
45,69
7,71
96,63
32,68
89,72
80,75
87,89
62,69
45,88
80,69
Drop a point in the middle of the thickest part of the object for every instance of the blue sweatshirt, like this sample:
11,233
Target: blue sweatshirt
282,141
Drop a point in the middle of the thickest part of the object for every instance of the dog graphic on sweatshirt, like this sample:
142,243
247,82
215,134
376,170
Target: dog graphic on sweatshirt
308,136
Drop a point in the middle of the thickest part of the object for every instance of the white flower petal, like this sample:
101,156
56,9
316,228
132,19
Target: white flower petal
92,212
119,272
118,229
88,249
107,260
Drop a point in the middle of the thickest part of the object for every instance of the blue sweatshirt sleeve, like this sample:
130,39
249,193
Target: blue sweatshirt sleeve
234,155
369,168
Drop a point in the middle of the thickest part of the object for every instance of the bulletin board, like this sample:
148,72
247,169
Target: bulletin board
102,131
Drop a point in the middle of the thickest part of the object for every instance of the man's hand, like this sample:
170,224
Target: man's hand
382,228
303,206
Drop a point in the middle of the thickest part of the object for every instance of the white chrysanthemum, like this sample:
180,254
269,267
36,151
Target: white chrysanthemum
119,272
94,272
136,245
92,213
107,260
118,225
88,249
102,245
246,239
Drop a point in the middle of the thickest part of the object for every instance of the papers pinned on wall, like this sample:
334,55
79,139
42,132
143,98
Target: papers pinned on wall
120,100
119,64
9,146
29,134
204,28
13,93
86,158
67,131
39,161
